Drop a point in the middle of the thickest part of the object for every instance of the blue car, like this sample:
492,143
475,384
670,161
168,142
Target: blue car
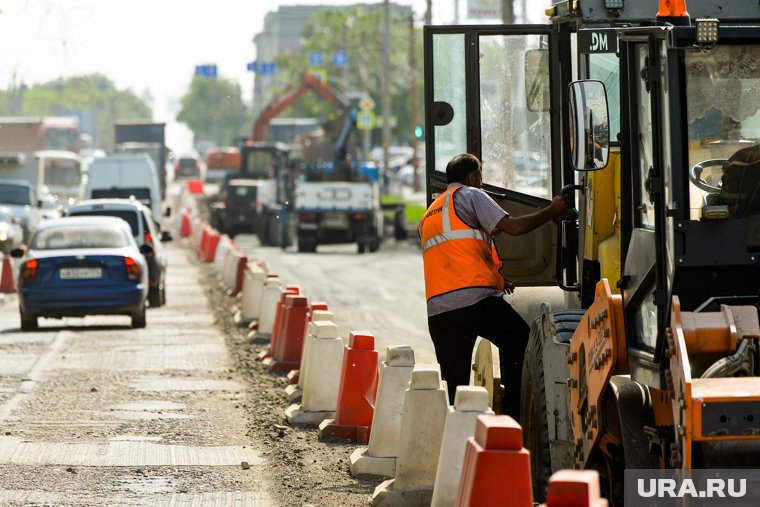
77,266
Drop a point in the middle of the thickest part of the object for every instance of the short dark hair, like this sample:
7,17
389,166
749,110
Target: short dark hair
460,166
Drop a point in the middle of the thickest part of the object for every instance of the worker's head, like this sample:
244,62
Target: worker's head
465,169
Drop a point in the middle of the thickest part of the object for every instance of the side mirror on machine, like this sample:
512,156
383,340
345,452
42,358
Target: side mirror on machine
589,134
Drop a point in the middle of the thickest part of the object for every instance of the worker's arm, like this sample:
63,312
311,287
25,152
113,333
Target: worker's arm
516,226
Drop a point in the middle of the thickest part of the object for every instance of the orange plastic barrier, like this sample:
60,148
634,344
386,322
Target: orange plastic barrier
212,241
496,469
7,283
195,186
357,391
290,290
286,353
294,375
185,229
240,275
574,488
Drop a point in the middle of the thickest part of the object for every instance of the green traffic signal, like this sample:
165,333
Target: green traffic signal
418,131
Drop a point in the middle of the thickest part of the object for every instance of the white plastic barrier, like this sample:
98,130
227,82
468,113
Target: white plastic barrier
469,403
322,379
272,292
379,458
253,287
295,391
422,422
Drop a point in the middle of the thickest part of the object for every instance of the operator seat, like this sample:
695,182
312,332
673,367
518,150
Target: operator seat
740,183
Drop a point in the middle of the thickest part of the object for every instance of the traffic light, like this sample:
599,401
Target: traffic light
419,131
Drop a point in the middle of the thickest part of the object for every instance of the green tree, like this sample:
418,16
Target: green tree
214,110
93,96
358,31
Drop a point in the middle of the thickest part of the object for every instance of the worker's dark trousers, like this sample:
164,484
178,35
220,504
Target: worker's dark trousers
454,334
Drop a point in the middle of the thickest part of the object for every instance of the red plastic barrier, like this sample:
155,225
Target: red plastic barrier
212,241
185,229
240,274
7,282
496,468
574,488
203,241
195,186
357,391
293,375
286,354
290,290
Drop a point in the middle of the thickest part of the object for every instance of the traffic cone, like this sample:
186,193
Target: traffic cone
286,354
7,282
212,241
202,243
356,396
495,461
574,488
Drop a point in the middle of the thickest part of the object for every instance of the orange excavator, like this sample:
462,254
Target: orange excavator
309,82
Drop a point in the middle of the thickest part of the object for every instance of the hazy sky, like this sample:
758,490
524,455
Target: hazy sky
144,44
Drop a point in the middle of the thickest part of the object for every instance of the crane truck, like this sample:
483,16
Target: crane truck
646,114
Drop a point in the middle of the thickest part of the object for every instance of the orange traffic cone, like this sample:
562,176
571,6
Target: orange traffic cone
7,283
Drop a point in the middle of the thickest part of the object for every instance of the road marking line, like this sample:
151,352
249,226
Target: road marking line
35,374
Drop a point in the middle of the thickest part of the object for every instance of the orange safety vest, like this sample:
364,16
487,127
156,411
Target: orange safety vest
455,256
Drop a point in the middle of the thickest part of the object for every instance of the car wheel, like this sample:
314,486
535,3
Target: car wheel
28,323
154,297
361,247
138,320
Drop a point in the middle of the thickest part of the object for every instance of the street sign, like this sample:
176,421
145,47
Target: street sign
208,71
267,69
320,74
252,67
316,59
365,120
367,104
340,58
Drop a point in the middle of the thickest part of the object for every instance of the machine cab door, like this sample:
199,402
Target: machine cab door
487,92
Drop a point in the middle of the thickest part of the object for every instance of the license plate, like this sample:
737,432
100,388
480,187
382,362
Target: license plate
81,273
335,221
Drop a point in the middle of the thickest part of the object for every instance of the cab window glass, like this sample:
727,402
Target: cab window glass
516,142
604,67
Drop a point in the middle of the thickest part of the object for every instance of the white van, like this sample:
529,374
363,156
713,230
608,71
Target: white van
125,176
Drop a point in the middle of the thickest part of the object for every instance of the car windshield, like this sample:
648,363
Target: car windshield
128,216
141,194
14,194
80,236
62,172
6,216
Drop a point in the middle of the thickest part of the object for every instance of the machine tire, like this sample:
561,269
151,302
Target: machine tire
374,245
28,323
139,320
361,247
307,245
533,417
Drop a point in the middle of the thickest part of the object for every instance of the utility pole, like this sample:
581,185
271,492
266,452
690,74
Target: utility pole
385,87
429,12
507,12
413,101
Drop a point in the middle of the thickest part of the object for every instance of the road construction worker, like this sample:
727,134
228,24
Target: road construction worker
464,284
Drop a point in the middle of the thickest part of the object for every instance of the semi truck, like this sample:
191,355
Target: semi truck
144,137
644,113
20,134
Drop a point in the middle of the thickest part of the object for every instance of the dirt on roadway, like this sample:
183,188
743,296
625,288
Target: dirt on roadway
300,469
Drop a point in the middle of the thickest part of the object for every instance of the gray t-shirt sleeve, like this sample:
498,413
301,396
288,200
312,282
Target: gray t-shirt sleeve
477,209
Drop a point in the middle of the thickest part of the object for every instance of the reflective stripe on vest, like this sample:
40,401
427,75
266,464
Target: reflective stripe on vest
447,233
455,256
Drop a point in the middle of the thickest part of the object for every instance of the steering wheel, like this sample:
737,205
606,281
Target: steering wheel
695,174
